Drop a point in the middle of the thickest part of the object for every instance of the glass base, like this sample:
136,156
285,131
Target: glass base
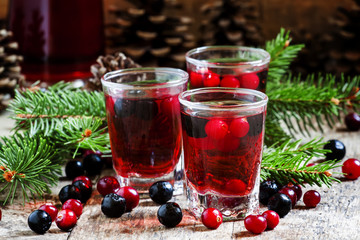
232,208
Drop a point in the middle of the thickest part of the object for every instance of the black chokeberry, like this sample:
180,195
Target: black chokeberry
161,192
74,169
267,190
169,214
280,203
85,190
352,121
146,109
113,205
124,107
39,221
337,149
93,164
69,192
194,126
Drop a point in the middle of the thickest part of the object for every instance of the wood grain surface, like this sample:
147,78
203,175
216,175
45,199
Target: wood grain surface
336,217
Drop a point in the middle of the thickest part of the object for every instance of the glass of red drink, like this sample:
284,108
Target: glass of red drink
223,131
143,114
228,66
59,40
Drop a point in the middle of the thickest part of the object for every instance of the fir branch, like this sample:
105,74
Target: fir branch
312,102
282,54
28,164
46,110
274,133
287,163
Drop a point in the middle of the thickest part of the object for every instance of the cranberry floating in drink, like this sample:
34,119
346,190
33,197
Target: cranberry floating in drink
228,66
143,113
223,131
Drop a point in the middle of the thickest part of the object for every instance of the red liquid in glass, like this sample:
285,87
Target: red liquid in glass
145,143
227,166
217,77
58,39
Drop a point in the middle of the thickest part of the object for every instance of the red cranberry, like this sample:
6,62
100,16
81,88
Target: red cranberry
212,80
235,187
196,79
291,194
351,168
216,129
170,106
297,190
239,127
131,197
50,209
66,220
250,81
311,198
107,184
84,179
272,219
230,81
352,121
74,205
255,223
228,143
211,218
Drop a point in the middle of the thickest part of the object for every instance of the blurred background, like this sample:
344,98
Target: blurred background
159,32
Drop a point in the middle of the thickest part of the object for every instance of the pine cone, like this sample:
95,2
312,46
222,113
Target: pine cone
231,22
107,64
150,34
10,70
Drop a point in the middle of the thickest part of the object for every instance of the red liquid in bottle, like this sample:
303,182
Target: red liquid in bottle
145,135
58,39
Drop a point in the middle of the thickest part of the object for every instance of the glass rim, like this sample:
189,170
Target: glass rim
259,62
183,78
245,106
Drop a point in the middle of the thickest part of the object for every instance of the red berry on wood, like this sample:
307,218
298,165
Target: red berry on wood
50,209
74,205
272,219
250,81
311,198
351,168
131,197
66,219
211,218
255,223
107,184
216,129
230,81
297,189
85,179
239,127
291,194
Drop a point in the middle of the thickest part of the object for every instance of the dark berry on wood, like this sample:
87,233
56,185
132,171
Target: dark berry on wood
161,192
39,221
69,192
113,205
267,190
93,164
74,169
85,190
169,214
280,203
337,149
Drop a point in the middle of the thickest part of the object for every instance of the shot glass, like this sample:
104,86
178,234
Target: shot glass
223,132
143,114
228,66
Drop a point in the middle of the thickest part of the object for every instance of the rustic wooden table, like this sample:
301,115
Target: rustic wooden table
336,217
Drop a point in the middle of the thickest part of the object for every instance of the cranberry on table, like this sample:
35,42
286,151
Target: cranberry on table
161,192
351,168
74,169
113,205
85,179
69,192
66,219
50,209
239,127
216,129
297,189
85,190
337,150
169,214
107,184
255,223
272,219
0,214
280,203
131,197
352,121
74,205
39,221
230,81
311,198
291,194
211,218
